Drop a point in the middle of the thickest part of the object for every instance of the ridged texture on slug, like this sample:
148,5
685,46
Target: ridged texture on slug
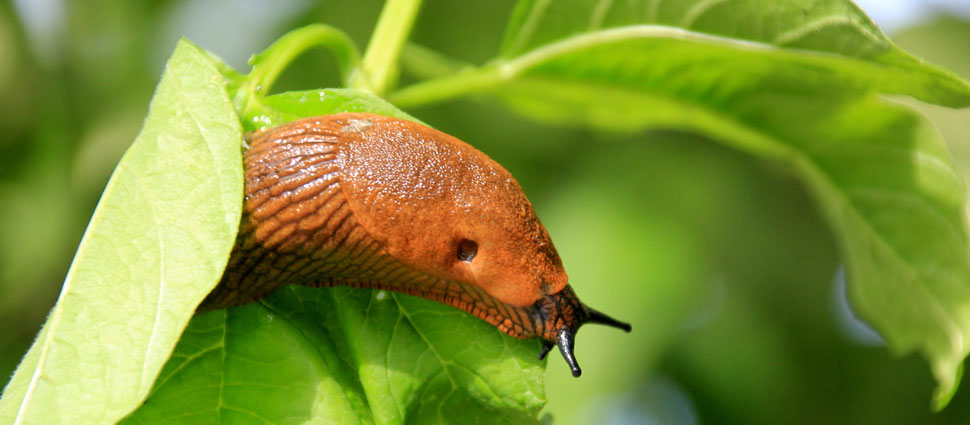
371,201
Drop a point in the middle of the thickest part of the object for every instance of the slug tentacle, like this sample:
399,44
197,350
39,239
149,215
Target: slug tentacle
375,202
603,319
558,318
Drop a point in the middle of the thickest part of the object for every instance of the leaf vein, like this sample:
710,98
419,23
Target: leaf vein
820,24
599,14
530,24
444,363
696,11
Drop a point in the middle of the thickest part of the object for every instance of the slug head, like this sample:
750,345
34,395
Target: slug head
558,317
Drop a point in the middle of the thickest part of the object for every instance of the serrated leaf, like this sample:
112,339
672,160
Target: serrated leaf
156,245
343,355
794,82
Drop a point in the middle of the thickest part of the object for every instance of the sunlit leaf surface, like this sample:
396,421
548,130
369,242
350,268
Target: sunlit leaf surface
156,245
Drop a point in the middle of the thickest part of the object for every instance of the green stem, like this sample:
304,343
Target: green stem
380,66
423,63
445,88
270,63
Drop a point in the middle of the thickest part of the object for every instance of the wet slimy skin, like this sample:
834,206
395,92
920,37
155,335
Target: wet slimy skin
371,201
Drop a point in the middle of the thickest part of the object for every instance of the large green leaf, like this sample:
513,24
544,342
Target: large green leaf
156,245
345,356
830,26
342,355
816,35
795,82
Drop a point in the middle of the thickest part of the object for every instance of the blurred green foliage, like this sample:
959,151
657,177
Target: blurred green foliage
728,268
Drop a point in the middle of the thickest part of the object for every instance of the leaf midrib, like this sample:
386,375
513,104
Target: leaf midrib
537,12
504,70
509,68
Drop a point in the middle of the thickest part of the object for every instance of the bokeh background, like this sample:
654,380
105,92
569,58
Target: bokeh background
729,275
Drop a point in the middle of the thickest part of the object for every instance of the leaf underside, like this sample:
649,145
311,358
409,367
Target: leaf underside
795,82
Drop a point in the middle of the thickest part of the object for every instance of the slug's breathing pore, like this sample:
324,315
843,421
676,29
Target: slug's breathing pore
375,202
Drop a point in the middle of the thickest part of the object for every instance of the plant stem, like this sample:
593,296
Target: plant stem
445,88
270,63
423,63
379,66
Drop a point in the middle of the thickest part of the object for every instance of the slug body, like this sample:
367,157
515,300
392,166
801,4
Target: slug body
376,202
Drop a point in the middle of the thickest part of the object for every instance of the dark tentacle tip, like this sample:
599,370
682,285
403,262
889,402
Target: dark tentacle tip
601,318
576,371
557,317
546,346
566,342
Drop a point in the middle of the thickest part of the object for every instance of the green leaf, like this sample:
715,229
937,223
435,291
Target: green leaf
889,188
815,34
344,355
794,82
281,108
156,245
347,356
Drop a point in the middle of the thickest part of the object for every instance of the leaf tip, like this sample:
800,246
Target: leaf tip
945,390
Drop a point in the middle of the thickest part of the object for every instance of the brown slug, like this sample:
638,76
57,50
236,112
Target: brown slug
376,202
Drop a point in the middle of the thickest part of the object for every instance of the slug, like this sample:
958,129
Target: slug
371,201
